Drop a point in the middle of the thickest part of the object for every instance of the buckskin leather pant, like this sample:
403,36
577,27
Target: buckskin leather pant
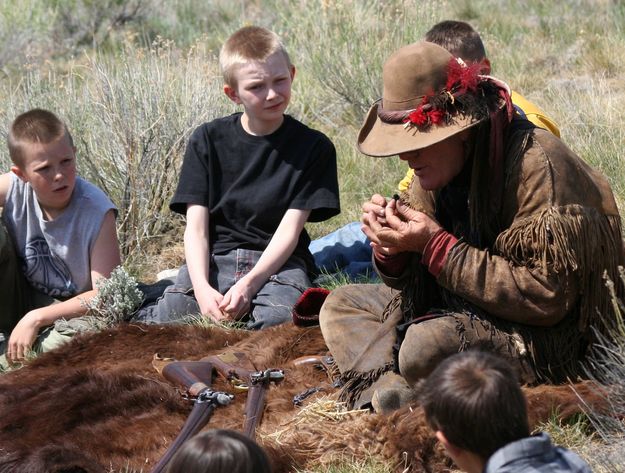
361,341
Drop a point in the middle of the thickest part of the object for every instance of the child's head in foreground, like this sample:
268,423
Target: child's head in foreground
220,451
43,154
474,402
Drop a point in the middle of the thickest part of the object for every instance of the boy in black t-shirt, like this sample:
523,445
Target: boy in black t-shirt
248,184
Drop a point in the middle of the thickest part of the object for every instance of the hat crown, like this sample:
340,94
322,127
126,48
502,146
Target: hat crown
412,72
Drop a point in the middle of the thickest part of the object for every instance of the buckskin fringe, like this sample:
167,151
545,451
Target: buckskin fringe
570,238
555,351
355,382
392,306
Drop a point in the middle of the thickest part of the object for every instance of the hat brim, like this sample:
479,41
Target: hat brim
379,139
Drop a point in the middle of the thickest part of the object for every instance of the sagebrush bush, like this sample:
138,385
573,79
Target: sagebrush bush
117,298
130,115
144,105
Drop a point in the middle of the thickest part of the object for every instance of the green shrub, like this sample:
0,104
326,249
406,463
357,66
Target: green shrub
117,298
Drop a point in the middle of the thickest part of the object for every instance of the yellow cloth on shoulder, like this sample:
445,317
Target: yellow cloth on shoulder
533,113
523,107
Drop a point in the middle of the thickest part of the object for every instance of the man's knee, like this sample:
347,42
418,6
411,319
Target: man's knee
342,302
334,300
428,343
425,345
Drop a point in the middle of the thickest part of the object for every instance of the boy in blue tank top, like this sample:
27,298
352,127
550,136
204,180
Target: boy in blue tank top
57,235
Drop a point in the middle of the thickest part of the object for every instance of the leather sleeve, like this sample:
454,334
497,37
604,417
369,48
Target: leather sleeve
514,293
528,293
396,282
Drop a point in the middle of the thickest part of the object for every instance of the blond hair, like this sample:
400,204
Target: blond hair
250,43
34,126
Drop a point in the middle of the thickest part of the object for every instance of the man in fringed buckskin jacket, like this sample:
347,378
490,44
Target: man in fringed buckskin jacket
501,241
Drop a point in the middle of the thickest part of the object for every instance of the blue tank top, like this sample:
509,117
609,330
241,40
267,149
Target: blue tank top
56,253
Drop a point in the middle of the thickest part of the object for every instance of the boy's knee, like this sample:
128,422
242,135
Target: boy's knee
52,338
176,305
273,304
264,317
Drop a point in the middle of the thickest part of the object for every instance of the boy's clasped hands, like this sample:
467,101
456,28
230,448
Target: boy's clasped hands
230,306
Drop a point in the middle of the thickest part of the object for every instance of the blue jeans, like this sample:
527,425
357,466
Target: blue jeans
345,250
270,306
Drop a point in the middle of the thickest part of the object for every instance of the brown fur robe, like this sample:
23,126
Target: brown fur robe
97,404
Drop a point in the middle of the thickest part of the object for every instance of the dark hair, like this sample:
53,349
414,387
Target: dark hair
474,398
34,126
459,38
220,451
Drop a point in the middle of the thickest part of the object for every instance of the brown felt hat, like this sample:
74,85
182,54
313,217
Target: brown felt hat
411,73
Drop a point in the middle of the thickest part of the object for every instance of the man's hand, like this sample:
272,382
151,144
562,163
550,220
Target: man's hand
373,216
373,209
22,337
405,229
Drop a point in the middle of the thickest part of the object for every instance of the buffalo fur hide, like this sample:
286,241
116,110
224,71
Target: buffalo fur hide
97,404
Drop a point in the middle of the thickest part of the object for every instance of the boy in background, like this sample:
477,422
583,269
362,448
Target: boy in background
248,184
57,236
348,249
474,403
461,40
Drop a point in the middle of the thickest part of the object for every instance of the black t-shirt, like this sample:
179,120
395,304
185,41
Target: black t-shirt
249,182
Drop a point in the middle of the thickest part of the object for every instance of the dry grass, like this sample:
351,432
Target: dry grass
324,409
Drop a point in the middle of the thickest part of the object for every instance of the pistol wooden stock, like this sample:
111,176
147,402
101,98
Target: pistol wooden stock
194,376
235,367
254,409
